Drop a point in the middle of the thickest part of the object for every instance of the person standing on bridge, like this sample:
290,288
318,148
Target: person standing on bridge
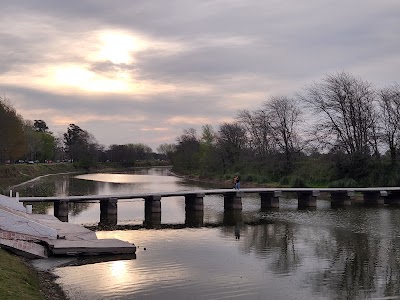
236,182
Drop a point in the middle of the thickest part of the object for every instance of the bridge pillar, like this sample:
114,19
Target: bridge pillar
373,198
108,212
392,198
152,204
233,200
61,210
152,211
307,198
341,198
194,218
270,199
194,202
152,220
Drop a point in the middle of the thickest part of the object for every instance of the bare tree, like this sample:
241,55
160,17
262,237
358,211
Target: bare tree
166,149
259,131
284,117
389,103
344,112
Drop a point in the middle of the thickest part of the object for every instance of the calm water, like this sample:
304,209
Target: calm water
288,253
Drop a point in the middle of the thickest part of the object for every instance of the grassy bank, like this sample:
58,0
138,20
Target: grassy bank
17,173
17,280
14,174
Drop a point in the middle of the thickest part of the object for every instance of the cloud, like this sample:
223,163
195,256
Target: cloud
144,71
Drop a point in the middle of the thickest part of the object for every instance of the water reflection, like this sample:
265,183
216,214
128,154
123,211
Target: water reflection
285,253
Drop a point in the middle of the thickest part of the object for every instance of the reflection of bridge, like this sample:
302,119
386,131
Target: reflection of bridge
307,197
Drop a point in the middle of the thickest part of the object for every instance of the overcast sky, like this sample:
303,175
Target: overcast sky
142,71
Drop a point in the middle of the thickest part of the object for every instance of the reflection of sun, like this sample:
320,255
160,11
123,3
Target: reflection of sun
118,269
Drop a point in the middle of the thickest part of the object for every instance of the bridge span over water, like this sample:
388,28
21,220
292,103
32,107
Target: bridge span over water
269,198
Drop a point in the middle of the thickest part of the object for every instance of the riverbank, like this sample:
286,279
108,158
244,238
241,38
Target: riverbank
226,182
11,175
19,280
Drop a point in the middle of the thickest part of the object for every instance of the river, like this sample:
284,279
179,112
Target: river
286,253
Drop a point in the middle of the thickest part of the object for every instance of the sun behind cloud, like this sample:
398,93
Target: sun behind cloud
119,47
73,65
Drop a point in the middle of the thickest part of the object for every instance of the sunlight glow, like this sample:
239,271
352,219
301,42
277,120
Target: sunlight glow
98,62
128,178
118,47
188,120
118,269
78,76
154,129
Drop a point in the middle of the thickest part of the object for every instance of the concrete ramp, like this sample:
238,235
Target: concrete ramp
12,203
40,236
25,248
20,222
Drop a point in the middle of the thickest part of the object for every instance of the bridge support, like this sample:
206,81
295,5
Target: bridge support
194,210
152,204
61,210
393,198
307,199
109,212
341,198
194,202
270,199
194,218
152,220
233,200
373,198
152,211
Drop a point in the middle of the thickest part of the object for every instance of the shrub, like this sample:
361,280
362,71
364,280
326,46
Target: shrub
284,180
297,182
345,182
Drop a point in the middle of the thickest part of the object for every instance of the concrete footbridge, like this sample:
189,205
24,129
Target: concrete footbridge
269,198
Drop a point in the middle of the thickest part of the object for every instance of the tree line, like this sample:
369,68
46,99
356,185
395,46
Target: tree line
340,131
25,140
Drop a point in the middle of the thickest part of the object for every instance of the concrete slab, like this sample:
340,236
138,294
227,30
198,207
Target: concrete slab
69,231
28,235
12,203
8,235
19,222
103,246
25,248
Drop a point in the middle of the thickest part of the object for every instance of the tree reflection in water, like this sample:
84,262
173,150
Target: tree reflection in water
350,262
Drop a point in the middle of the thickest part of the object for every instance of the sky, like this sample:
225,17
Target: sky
143,71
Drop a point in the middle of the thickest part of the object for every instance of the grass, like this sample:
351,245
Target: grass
14,174
17,281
